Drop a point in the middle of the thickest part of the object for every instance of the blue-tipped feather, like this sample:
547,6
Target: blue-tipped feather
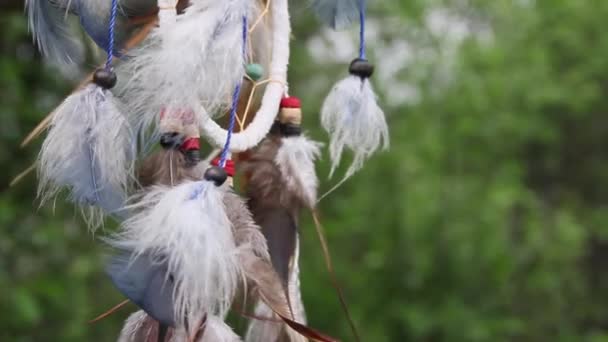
51,32
336,13
146,283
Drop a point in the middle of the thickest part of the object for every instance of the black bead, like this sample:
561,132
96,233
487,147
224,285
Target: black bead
216,174
276,128
290,130
171,140
193,157
105,78
361,67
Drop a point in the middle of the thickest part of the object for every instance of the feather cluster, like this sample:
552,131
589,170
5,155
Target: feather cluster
187,228
87,151
191,63
351,115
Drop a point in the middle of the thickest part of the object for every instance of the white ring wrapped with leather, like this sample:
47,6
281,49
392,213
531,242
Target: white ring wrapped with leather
167,11
264,118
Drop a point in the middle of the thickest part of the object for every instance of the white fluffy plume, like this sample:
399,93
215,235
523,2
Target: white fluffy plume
188,227
88,151
354,120
192,62
296,160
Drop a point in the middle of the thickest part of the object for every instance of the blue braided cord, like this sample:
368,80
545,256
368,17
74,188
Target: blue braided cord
198,191
235,102
362,9
111,26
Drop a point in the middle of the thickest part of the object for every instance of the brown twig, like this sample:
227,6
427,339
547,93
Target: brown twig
22,175
109,312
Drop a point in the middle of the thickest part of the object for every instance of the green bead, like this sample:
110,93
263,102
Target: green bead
254,71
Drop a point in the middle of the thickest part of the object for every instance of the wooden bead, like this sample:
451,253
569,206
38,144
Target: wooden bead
105,78
361,67
216,174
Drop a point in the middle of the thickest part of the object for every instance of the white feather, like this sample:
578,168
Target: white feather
265,329
218,331
351,115
195,61
296,160
187,225
51,31
132,327
88,151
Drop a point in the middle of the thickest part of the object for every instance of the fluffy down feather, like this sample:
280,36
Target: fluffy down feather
296,160
336,13
218,331
192,62
187,227
351,115
87,151
51,32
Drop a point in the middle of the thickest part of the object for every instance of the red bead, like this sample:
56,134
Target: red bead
229,167
291,102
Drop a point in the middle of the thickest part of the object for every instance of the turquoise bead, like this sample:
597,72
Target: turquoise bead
254,71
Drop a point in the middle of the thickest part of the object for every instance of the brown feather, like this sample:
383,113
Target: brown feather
166,167
265,185
274,208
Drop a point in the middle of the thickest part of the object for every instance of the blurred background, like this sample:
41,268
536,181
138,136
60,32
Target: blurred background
484,222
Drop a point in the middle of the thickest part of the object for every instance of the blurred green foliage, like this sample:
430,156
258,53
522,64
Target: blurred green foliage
484,222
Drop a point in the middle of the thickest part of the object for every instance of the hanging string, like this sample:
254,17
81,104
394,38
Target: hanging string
362,9
235,102
111,25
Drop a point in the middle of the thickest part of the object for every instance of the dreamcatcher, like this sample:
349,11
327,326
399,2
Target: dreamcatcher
126,144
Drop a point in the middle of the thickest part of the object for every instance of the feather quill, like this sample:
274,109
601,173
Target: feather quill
351,115
338,14
87,151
